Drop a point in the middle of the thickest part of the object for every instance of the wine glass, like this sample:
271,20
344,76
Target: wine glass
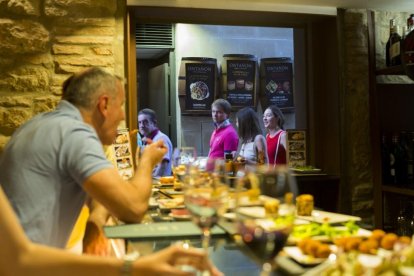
204,197
182,158
263,234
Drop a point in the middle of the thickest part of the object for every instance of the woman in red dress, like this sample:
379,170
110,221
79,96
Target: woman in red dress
273,121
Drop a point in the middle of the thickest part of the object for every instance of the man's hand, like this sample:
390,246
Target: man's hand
168,262
154,153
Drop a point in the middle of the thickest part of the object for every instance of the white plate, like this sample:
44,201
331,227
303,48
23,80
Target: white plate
230,216
361,233
254,212
152,202
322,216
171,203
180,217
295,253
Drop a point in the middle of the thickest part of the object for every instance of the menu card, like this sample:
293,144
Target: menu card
278,84
241,82
122,154
200,85
296,147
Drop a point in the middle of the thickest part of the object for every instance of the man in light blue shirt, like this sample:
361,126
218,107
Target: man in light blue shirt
56,160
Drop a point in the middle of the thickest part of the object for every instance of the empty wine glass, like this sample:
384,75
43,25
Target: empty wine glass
182,158
263,234
204,197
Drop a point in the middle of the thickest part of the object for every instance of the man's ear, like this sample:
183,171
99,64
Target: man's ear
103,104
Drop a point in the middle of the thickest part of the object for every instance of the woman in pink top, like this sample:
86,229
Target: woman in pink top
273,120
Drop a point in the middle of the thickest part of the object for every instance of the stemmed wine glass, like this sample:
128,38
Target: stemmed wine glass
204,196
182,159
263,236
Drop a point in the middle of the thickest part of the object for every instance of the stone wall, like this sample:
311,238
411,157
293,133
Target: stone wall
357,151
355,101
42,42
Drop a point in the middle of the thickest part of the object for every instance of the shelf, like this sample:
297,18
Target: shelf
392,70
397,190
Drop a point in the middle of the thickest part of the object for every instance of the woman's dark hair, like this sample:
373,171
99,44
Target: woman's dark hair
278,114
249,126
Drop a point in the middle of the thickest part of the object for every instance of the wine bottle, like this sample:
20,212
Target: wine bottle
396,156
387,46
395,48
404,219
410,23
385,160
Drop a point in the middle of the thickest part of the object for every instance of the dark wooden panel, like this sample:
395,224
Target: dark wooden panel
223,17
396,103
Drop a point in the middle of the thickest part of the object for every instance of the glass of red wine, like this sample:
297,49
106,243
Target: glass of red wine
264,223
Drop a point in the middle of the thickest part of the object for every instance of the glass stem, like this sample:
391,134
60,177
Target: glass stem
206,239
266,269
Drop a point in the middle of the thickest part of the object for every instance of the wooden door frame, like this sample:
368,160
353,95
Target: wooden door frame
306,22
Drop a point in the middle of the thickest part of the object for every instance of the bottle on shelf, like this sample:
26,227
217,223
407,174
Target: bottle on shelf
404,219
408,161
410,23
385,160
387,46
403,176
395,44
397,157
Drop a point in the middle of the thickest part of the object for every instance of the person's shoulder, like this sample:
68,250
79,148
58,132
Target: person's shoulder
163,136
259,137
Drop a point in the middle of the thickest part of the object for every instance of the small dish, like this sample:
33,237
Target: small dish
296,254
171,203
322,216
180,214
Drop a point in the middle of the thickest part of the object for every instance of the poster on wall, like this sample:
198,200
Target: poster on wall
200,84
277,82
122,154
241,82
296,147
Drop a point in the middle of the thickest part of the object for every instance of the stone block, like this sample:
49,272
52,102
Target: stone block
71,69
56,90
58,79
6,62
16,101
63,49
80,8
87,61
88,40
44,104
23,37
103,51
84,30
355,17
360,206
363,190
25,78
76,23
14,117
20,7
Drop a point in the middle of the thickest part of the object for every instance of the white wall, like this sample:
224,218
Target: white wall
214,41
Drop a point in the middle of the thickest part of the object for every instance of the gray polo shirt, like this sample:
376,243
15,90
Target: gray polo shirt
43,168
